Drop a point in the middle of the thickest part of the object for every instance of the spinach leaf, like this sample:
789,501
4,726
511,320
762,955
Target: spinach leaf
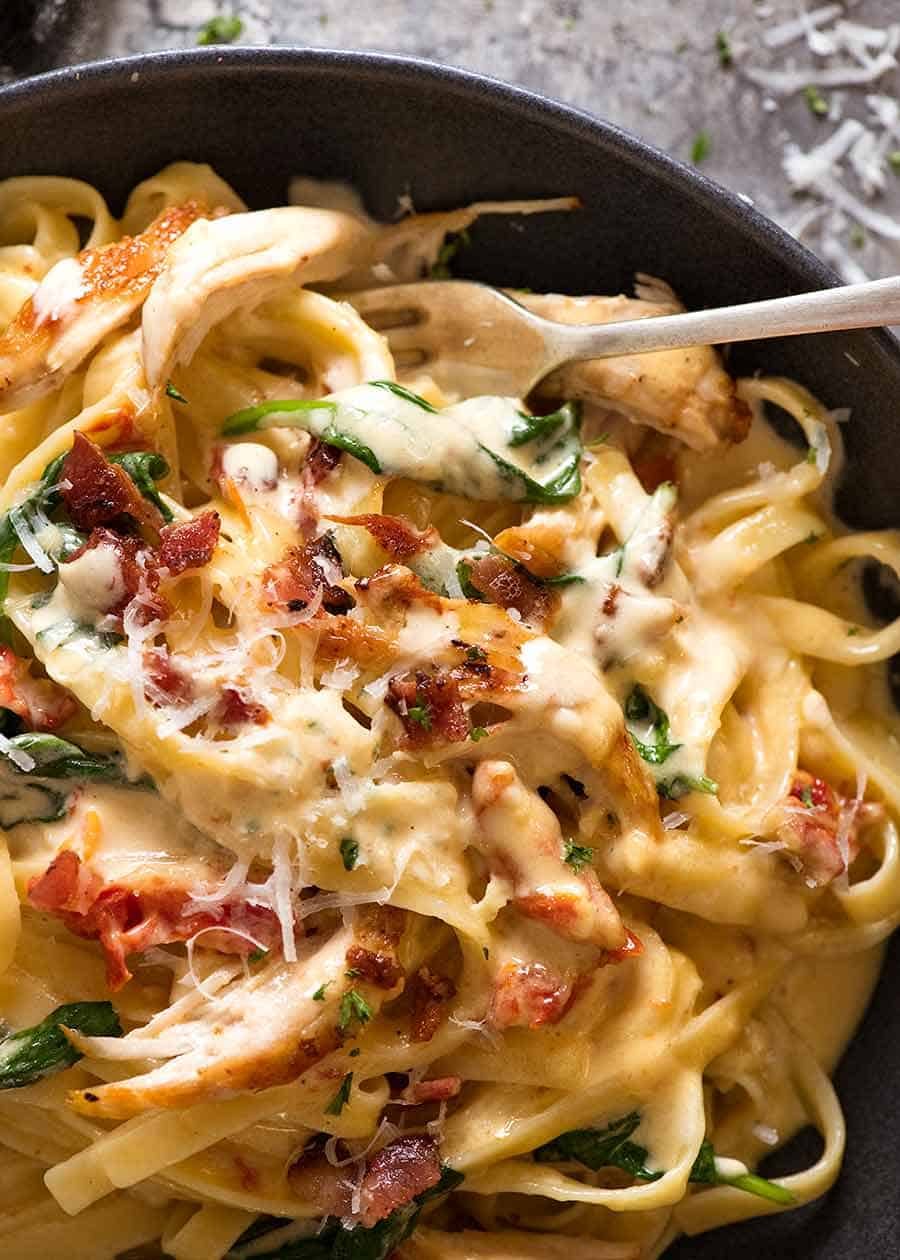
400,391
333,436
529,428
640,708
29,1055
42,496
145,468
602,1148
612,1148
409,439
56,758
221,30
251,419
30,802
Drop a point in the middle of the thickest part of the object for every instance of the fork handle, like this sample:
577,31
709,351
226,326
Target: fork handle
868,305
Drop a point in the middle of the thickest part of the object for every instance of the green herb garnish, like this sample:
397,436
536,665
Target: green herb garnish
578,856
349,852
220,30
723,48
257,955
319,995
477,733
29,1055
705,1171
682,784
354,1008
817,103
173,392
420,713
701,148
341,1098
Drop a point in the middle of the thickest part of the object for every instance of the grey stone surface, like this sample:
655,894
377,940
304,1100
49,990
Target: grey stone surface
648,65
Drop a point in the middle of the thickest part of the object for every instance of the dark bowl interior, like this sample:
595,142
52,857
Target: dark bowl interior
392,126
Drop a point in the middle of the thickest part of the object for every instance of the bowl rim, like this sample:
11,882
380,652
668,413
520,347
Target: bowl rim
497,93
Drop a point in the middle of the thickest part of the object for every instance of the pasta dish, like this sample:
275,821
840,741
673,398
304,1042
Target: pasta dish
432,825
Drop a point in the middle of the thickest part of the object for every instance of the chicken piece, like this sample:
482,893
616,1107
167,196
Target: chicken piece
522,841
685,393
263,1030
233,264
80,301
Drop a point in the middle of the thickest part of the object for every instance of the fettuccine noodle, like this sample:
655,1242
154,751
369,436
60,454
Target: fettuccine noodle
480,813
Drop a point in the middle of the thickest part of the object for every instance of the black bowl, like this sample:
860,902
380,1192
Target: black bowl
393,126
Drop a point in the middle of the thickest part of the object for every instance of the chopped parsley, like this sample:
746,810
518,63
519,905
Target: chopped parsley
578,856
894,160
172,392
701,148
319,995
723,48
817,103
220,30
681,784
811,455
806,797
420,713
853,630
475,653
354,1007
349,852
477,733
257,955
341,1098
857,236
654,744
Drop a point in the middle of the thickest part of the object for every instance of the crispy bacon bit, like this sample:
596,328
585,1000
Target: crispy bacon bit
507,584
430,994
529,995
374,954
810,824
654,468
315,1181
100,492
128,920
297,579
429,706
399,1172
235,709
610,603
40,702
440,1089
165,682
394,534
189,545
321,460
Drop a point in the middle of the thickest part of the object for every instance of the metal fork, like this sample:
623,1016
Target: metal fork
475,339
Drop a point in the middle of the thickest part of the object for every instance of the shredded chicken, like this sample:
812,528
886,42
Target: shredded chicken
233,264
685,393
79,302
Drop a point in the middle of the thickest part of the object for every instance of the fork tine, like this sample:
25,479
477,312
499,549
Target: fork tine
392,307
